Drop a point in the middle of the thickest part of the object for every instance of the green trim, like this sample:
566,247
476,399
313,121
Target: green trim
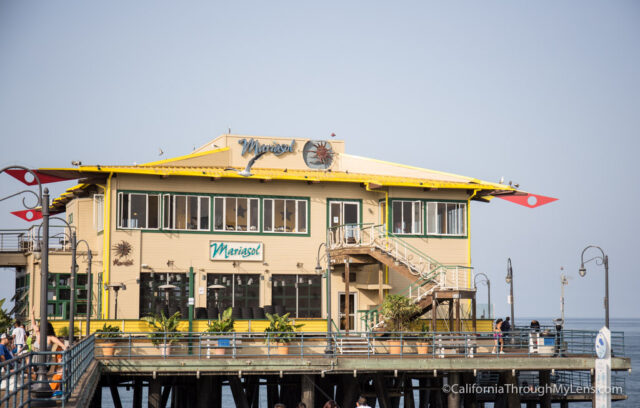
424,218
211,231
328,201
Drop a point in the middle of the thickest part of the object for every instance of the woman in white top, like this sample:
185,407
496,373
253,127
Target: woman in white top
51,335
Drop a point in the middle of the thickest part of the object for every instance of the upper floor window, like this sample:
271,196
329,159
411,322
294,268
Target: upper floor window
446,218
407,217
186,212
138,210
285,215
98,212
236,214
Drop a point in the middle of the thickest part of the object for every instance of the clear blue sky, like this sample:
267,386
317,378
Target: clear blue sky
543,93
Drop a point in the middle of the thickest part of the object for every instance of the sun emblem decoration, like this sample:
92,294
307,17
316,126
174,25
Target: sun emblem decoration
122,250
318,154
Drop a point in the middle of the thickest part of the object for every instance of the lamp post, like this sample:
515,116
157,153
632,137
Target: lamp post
116,288
488,282
509,280
41,389
329,349
564,281
600,260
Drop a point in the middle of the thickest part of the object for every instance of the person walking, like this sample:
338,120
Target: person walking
19,336
497,336
506,329
5,352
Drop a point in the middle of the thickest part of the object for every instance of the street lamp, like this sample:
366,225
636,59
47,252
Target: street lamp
116,288
564,281
600,260
318,269
488,282
41,389
509,280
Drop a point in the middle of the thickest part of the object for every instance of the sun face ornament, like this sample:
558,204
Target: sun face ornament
318,154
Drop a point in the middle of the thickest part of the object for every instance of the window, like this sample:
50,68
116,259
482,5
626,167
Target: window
285,215
59,294
407,217
138,210
446,219
98,212
300,295
164,292
232,290
185,212
238,214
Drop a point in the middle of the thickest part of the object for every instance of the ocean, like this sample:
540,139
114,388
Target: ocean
630,327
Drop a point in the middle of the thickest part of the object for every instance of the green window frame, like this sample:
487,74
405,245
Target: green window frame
285,215
186,212
236,214
239,290
138,210
407,217
447,219
59,293
154,300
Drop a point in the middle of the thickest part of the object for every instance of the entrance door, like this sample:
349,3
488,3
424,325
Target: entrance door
347,214
352,311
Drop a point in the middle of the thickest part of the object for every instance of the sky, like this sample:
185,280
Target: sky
543,93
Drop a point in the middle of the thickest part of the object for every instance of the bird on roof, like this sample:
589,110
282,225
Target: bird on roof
247,170
160,152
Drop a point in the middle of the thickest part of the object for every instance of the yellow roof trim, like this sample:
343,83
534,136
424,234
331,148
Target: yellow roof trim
187,156
292,175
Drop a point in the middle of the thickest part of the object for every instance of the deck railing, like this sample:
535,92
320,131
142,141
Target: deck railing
27,240
363,344
18,376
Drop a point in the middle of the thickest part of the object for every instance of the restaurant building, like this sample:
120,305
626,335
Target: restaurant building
241,222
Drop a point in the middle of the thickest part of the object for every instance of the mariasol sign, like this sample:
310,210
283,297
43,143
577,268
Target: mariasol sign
236,251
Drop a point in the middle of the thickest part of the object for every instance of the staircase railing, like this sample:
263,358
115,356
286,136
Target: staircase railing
430,274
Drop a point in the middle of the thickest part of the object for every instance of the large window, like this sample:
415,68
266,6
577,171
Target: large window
407,217
164,293
186,212
138,210
59,294
233,290
300,295
446,218
285,216
236,214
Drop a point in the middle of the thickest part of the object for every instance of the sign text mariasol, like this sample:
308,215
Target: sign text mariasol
236,251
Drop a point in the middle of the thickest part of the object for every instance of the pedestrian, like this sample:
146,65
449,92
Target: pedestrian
497,336
51,335
362,402
330,404
506,328
5,353
19,336
302,405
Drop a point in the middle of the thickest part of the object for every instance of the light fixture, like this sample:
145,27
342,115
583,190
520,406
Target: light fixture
582,271
299,264
215,286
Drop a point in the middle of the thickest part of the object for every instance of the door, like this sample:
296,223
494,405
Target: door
352,311
345,214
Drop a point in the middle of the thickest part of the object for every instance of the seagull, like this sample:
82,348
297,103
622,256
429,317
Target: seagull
160,152
76,163
247,170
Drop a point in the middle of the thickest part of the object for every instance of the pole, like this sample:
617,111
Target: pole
89,293
513,320
72,284
191,305
43,389
489,297
606,289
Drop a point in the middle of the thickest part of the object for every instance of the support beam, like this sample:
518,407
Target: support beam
155,394
96,399
458,320
423,393
273,396
453,399
346,296
381,391
434,314
115,396
473,314
137,393
380,283
407,392
544,382
239,396
308,390
166,391
510,380
451,326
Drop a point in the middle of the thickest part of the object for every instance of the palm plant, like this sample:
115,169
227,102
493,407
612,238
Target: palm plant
282,328
165,329
108,331
224,324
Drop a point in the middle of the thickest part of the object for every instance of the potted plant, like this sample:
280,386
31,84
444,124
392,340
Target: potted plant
164,331
281,331
424,337
224,324
397,312
108,332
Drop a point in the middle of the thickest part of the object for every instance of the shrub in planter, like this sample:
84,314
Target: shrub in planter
108,332
165,330
397,312
224,324
281,331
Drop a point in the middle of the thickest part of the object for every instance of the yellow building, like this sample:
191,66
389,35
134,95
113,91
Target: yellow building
252,236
